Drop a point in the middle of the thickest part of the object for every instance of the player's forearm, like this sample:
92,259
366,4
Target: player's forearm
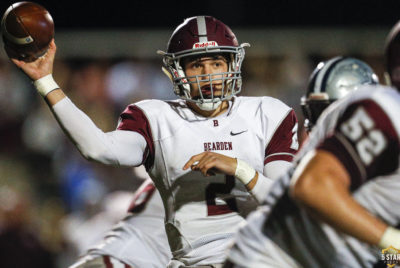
54,96
259,186
345,215
114,148
81,130
246,174
78,127
322,188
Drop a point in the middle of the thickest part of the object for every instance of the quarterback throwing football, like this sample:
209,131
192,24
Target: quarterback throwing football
210,153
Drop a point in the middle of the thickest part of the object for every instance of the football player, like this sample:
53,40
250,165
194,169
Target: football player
138,240
240,143
338,206
332,80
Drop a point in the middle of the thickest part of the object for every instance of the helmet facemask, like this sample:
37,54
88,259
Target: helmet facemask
230,81
312,107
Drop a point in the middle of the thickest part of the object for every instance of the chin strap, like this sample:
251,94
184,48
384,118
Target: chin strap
209,106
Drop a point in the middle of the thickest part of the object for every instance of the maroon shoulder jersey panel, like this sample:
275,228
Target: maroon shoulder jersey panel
365,141
141,197
282,140
133,119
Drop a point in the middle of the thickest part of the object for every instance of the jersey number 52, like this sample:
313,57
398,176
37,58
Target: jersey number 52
360,129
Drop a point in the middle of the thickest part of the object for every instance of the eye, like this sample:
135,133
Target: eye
219,63
196,65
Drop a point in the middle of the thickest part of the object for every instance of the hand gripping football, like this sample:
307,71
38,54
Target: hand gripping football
27,29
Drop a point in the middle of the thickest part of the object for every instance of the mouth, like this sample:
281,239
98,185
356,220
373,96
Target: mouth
209,92
206,91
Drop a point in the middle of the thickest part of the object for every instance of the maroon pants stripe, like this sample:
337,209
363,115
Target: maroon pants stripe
108,263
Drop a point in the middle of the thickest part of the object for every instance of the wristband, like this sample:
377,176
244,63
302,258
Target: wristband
45,85
244,172
391,237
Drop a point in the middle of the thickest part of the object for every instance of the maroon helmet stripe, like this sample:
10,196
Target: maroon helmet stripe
202,29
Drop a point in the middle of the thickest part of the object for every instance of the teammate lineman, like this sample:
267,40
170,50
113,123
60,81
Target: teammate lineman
240,143
338,206
138,240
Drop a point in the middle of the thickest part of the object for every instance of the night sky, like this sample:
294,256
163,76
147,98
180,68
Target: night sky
136,14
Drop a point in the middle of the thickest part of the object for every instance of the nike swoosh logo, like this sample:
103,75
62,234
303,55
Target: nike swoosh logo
237,133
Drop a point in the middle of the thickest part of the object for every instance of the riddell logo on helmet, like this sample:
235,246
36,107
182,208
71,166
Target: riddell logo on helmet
205,44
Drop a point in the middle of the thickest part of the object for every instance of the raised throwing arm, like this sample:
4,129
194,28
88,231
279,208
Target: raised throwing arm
118,147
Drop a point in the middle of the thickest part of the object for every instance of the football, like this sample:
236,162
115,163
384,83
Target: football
27,29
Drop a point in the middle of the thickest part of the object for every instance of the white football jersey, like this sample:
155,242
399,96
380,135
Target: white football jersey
203,213
362,131
139,240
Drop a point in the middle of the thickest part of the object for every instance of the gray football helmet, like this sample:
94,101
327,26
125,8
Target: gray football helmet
332,80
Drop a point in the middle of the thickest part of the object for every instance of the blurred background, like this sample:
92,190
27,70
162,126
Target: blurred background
53,203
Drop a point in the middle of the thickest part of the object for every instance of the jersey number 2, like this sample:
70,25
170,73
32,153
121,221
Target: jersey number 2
220,188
